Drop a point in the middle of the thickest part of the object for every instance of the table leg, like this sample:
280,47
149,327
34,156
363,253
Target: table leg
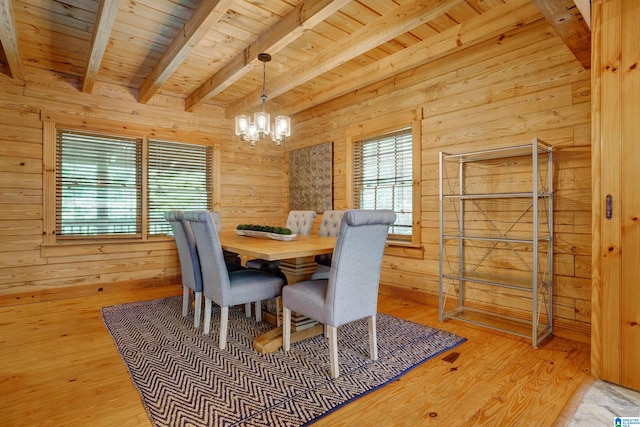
272,340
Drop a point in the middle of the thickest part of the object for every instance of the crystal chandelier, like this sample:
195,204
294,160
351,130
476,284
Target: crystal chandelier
262,126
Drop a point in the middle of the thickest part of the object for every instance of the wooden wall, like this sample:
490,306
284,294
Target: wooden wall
505,91
520,85
250,184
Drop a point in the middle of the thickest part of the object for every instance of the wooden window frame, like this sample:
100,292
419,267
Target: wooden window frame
379,126
51,122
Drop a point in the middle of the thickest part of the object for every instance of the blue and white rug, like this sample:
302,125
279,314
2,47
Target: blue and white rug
184,379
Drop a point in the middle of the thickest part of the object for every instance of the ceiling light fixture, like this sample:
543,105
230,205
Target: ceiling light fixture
262,126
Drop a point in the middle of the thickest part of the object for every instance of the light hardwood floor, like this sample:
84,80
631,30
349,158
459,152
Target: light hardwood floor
59,366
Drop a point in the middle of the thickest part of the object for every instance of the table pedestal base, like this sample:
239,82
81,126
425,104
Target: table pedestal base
296,270
272,340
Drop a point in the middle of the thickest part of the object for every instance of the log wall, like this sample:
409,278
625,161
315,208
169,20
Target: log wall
505,91
250,185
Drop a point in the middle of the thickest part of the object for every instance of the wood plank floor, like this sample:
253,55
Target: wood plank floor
59,367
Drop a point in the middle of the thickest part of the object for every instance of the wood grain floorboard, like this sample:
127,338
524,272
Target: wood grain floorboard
60,367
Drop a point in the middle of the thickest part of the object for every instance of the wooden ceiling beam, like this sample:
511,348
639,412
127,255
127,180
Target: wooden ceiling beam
208,13
9,40
105,18
399,21
584,6
305,16
565,17
492,23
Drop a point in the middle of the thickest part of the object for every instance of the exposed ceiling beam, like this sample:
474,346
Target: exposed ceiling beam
105,18
584,6
399,21
208,13
306,15
493,23
9,40
566,19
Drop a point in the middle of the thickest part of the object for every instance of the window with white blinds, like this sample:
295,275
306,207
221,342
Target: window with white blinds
98,186
179,177
383,177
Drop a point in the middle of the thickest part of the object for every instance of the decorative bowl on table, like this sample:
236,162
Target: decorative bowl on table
266,235
265,232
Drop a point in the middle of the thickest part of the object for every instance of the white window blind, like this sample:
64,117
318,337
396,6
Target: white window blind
98,187
179,177
383,176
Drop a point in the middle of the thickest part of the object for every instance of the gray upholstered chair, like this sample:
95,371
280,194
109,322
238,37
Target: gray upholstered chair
221,286
329,227
299,222
231,258
351,291
189,263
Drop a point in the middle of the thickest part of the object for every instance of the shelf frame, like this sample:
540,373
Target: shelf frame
454,195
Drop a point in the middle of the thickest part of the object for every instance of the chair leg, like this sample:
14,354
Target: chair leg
286,329
198,311
224,325
373,339
207,315
278,305
247,309
185,301
258,311
333,351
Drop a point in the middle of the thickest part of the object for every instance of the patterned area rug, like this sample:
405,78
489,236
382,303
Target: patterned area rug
184,379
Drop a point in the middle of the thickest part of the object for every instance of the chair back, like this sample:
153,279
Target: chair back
186,243
330,223
217,221
352,290
215,276
301,222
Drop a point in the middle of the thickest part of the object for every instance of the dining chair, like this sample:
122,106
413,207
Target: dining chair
351,291
300,223
231,258
189,263
226,288
329,227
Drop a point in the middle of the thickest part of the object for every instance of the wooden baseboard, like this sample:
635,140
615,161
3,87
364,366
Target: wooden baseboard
83,290
581,333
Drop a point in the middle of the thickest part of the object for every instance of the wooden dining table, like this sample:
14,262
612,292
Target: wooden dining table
297,262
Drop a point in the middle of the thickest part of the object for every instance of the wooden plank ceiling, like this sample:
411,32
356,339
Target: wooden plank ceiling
206,51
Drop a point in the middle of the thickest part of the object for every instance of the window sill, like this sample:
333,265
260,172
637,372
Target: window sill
406,250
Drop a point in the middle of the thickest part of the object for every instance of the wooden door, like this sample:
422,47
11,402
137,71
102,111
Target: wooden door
616,178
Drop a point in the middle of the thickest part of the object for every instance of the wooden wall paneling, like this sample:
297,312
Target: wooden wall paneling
507,88
30,265
503,91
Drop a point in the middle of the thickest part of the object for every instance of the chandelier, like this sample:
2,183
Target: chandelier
262,126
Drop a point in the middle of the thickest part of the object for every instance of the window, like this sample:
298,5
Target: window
178,178
97,185
383,178
100,187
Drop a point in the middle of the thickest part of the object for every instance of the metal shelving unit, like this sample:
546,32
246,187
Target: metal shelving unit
496,238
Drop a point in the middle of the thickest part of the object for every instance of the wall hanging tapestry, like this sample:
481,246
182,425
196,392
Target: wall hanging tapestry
310,178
